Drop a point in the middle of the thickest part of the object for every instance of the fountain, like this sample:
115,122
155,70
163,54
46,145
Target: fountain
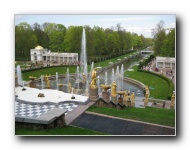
83,57
19,75
57,80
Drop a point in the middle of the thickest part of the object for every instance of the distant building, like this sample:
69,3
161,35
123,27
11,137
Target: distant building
165,62
41,54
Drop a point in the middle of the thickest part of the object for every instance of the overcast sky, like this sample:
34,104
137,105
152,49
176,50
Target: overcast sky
140,24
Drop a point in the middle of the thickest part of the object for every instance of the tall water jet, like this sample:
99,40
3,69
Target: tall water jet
78,77
57,79
121,76
117,78
98,84
67,76
112,76
106,78
92,66
19,75
83,57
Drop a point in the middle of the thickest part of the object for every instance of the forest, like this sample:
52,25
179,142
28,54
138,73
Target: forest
101,43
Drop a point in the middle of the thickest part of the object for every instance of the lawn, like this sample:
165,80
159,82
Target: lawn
158,87
68,130
152,115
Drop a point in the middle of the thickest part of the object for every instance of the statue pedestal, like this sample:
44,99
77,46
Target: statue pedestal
120,100
171,106
32,84
125,103
93,94
114,99
16,81
129,103
132,104
145,104
105,96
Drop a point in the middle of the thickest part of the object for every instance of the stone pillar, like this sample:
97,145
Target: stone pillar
105,96
114,99
93,94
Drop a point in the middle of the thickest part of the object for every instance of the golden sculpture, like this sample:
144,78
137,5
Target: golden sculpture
48,84
172,100
126,97
32,77
133,97
93,84
146,93
113,89
46,77
105,87
69,88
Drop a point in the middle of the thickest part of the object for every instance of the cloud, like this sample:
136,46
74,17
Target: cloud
120,19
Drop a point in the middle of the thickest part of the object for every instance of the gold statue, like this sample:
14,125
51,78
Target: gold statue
133,97
105,87
172,100
48,84
69,88
93,84
113,89
146,92
126,97
46,77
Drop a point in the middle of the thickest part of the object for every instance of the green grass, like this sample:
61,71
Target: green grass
152,115
160,87
68,130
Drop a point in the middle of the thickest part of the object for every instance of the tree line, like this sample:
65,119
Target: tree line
109,42
164,40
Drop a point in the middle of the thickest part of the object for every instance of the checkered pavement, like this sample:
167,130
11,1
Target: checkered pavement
34,111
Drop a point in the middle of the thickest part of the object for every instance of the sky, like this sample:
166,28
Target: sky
140,24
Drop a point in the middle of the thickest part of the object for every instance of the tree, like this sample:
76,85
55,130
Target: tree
168,47
159,36
73,39
99,41
56,34
25,39
42,37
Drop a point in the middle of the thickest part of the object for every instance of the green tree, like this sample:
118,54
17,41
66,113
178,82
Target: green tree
25,39
42,37
168,47
99,41
159,36
56,34
73,39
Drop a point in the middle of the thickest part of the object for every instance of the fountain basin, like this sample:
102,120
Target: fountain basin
55,96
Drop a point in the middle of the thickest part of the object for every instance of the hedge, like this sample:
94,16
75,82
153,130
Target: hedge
171,85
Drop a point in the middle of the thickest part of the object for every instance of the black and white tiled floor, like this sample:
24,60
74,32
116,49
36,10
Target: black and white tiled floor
34,111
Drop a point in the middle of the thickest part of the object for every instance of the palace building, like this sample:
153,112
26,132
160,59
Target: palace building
41,54
165,62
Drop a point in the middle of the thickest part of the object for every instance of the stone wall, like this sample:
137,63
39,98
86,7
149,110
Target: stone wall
52,119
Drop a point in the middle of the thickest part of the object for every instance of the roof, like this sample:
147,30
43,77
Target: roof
38,47
165,58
